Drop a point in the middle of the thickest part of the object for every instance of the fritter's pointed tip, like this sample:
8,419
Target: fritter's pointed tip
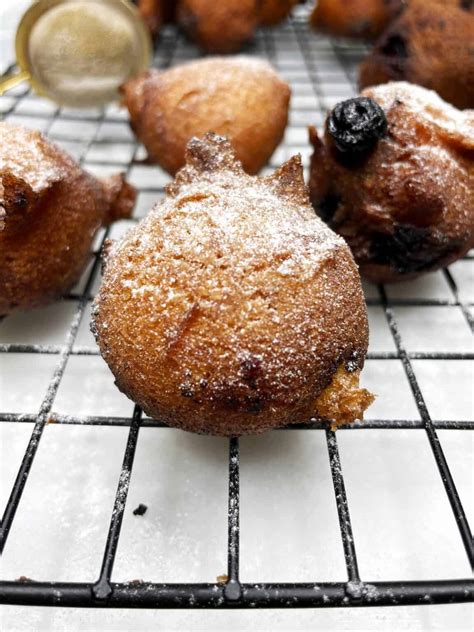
211,153
288,180
204,156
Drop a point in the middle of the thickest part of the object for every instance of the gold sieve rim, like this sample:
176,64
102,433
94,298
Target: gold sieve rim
38,9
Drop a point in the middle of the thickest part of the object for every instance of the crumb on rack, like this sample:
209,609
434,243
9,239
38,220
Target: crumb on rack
222,579
140,510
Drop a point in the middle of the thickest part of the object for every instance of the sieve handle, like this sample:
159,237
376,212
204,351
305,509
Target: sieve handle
12,80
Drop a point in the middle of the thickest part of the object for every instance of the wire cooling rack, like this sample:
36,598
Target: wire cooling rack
321,72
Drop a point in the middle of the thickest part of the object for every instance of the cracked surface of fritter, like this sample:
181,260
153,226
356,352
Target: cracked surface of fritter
239,97
231,307
407,206
50,210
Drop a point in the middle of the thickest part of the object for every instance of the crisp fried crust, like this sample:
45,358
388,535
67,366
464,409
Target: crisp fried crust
50,210
408,207
430,44
240,97
230,307
218,27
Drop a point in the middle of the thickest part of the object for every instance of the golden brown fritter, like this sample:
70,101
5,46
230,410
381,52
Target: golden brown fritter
271,12
218,27
394,176
353,18
50,210
240,97
231,308
430,44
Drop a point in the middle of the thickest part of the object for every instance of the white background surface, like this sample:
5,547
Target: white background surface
403,526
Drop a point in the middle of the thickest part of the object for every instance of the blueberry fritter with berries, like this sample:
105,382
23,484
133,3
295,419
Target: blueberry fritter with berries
394,175
231,308
50,210
240,97
430,44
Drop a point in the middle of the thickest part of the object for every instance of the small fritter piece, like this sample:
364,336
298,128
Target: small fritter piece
271,12
218,27
50,210
430,44
151,12
394,175
240,97
353,18
231,308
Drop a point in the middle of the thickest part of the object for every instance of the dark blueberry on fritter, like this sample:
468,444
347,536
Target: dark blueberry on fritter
411,248
356,125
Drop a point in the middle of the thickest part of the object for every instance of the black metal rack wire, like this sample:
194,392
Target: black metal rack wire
232,593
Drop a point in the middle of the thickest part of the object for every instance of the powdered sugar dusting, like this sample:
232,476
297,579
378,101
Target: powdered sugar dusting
429,106
228,64
233,213
233,290
39,164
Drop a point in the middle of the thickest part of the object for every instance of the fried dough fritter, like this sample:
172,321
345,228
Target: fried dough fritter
431,44
353,18
271,12
231,308
394,176
218,27
240,97
50,210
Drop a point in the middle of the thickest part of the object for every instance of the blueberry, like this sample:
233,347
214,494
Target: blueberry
355,126
411,248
